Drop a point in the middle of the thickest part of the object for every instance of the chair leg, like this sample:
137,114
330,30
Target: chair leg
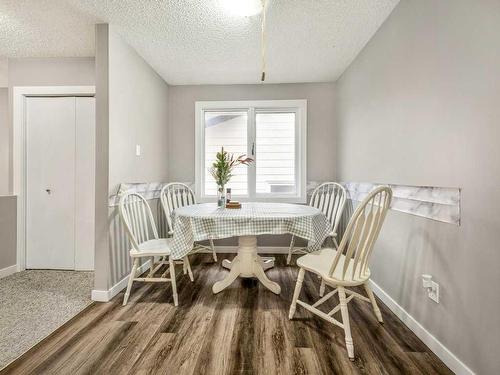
152,266
322,288
188,267
335,243
290,250
135,265
298,287
345,321
214,254
174,282
376,310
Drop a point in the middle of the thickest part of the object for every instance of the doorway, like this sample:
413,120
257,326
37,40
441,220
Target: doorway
53,175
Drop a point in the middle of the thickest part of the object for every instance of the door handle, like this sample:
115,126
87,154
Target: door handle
48,191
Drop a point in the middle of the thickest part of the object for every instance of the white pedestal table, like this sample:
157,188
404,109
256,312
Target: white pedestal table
206,221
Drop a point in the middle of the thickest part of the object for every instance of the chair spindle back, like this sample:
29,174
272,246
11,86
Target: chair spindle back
175,195
138,218
362,232
329,198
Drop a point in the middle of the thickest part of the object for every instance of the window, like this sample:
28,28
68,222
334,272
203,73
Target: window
272,132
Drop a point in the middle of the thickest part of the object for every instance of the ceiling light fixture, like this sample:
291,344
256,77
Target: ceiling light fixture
263,41
243,8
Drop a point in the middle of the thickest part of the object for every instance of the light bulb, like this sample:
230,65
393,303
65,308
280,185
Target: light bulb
242,8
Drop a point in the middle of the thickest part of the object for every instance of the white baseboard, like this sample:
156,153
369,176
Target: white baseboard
262,249
8,271
107,295
455,365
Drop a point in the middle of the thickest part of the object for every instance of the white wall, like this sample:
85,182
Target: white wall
420,106
135,99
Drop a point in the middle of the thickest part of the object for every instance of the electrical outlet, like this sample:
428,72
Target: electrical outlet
431,286
137,150
433,292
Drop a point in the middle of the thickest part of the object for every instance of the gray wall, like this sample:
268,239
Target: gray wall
102,277
8,232
320,122
138,115
4,141
420,106
4,79
67,71
46,72
134,112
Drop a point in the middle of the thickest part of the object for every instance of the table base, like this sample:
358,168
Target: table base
267,262
247,264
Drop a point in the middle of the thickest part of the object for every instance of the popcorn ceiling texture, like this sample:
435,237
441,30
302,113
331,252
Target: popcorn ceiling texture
44,28
197,42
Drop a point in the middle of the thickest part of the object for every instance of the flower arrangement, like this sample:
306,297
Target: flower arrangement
223,166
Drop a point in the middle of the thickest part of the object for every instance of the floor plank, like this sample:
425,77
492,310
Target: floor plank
242,330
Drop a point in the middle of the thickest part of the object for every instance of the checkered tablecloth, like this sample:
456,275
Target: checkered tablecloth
205,221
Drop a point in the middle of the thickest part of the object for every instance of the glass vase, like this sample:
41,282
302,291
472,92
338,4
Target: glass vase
221,197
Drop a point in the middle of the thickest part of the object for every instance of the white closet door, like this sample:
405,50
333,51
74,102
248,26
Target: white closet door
50,219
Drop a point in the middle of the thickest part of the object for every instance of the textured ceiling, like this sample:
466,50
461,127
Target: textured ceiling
44,28
196,41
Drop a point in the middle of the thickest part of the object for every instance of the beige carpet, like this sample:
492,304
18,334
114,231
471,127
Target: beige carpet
35,303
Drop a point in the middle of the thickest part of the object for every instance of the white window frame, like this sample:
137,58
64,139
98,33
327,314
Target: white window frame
252,106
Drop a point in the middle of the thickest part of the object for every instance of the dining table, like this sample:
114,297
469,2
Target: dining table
207,221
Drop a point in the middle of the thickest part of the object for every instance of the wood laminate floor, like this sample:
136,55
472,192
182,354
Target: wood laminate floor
242,330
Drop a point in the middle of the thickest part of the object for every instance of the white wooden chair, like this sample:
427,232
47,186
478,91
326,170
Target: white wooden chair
175,195
329,198
348,265
143,235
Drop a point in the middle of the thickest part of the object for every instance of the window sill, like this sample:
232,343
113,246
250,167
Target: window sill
296,200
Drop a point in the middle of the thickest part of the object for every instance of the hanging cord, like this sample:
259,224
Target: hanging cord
263,41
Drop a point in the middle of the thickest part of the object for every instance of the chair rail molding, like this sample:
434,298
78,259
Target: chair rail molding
151,190
432,202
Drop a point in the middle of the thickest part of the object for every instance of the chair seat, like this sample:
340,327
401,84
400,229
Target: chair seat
153,247
320,262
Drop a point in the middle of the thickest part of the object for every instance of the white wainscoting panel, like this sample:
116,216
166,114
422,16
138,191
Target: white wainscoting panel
436,203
